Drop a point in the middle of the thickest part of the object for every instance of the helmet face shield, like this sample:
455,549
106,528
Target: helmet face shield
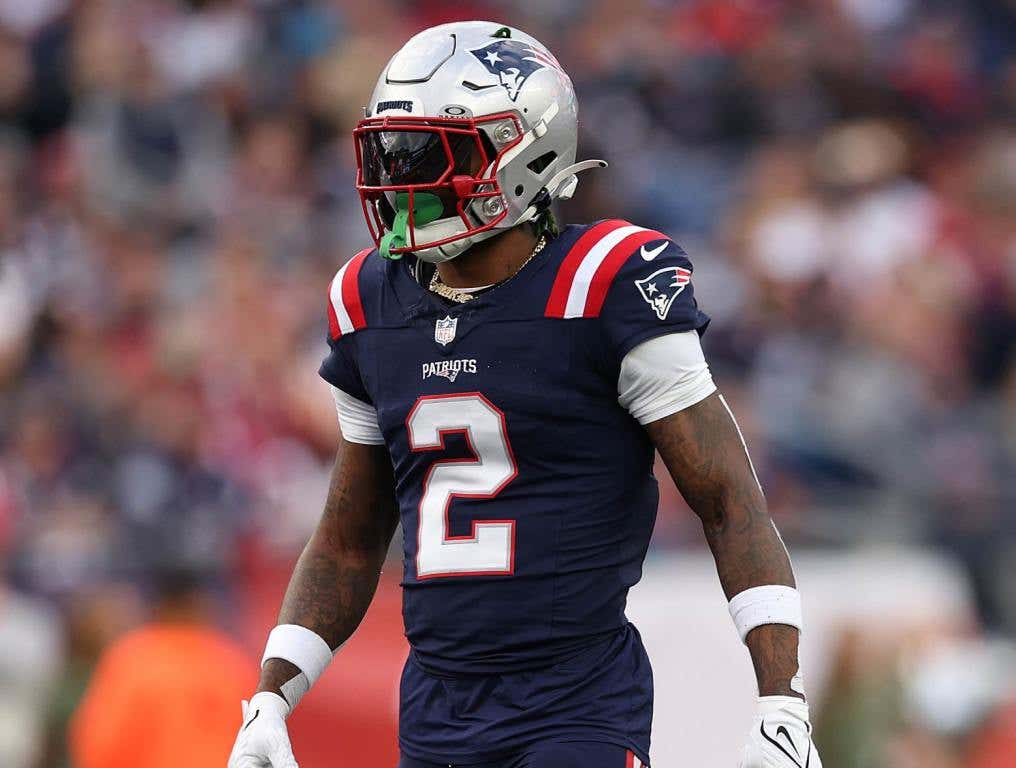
402,158
402,161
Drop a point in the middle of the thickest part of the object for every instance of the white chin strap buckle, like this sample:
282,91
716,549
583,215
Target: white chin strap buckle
566,190
562,184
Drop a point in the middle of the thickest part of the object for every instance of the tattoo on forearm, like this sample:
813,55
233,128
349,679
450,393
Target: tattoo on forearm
705,455
336,576
773,649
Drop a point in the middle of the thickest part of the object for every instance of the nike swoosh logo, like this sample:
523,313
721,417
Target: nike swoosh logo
782,731
652,253
796,757
252,719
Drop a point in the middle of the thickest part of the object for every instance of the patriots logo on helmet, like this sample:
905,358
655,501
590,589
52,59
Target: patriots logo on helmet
512,62
662,287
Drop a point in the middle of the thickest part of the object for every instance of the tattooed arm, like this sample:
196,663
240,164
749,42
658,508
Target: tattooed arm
705,455
335,577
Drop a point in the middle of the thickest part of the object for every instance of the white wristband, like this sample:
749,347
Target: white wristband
769,604
301,647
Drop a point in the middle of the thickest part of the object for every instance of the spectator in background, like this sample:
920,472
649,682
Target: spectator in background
995,745
174,681
861,707
94,620
957,706
30,662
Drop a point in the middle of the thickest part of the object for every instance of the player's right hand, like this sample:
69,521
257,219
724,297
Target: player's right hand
781,736
263,741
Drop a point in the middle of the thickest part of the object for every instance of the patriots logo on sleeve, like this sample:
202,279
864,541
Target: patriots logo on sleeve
662,287
512,62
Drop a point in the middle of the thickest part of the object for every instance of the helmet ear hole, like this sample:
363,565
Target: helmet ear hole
540,164
519,190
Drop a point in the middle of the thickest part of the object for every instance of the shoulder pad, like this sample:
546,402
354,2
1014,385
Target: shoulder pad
588,270
345,306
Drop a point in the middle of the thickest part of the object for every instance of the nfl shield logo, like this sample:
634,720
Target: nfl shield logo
444,330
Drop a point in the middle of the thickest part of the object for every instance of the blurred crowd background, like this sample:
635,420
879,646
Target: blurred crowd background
176,193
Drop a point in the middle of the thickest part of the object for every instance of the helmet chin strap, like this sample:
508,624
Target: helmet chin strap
448,228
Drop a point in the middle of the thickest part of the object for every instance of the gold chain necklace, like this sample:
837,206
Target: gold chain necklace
461,297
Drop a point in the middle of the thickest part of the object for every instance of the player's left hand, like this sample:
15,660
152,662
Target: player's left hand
781,736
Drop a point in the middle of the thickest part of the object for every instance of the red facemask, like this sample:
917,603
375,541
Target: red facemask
414,170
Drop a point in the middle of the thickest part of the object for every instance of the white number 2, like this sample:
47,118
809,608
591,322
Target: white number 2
490,546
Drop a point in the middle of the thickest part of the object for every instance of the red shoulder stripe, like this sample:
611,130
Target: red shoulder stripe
611,265
569,266
345,307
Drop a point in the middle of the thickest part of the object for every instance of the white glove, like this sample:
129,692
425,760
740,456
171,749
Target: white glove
263,741
780,736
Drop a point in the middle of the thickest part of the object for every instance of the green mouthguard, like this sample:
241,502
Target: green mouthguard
426,208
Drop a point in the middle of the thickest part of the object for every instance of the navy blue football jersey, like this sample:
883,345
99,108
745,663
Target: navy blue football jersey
526,491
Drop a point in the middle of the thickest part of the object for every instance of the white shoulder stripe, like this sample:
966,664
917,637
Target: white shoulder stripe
579,291
335,294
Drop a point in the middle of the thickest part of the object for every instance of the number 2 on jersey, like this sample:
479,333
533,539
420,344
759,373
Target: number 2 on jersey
490,547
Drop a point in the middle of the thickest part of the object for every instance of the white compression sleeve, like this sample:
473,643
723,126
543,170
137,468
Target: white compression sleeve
663,376
357,420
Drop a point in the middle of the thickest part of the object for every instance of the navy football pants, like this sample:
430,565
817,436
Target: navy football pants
569,754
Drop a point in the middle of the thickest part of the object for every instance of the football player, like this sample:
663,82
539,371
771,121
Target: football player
501,387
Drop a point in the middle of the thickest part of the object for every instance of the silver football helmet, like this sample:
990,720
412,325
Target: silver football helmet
471,130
